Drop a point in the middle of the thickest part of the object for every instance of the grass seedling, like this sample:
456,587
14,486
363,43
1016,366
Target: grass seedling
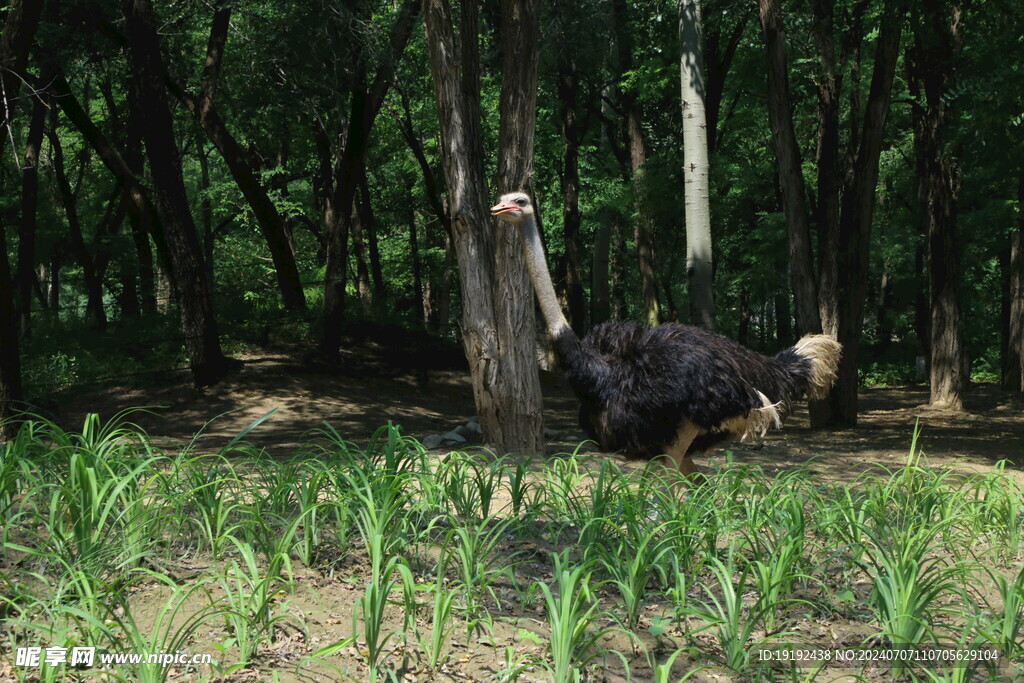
379,499
308,488
370,608
211,495
442,604
519,488
480,564
632,564
570,614
733,626
169,633
98,514
1003,625
250,597
459,489
391,453
908,581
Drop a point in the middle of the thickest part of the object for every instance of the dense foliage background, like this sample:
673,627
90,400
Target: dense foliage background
288,91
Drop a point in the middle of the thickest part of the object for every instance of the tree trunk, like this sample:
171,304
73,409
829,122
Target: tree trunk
783,329
15,44
511,420
422,304
11,395
206,211
523,426
803,282
884,312
93,282
696,184
53,288
931,65
364,205
362,269
192,286
826,212
26,273
791,180
572,134
853,244
443,297
743,332
618,266
365,103
600,296
643,226
1014,372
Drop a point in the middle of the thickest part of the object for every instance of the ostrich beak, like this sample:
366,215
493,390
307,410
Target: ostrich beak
504,207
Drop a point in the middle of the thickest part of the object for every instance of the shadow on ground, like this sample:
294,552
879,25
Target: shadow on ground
372,387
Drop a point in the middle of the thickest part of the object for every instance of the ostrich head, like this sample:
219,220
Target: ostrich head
513,207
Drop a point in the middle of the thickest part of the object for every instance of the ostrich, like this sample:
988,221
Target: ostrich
671,390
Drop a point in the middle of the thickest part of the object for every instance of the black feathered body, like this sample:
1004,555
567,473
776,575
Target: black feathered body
638,385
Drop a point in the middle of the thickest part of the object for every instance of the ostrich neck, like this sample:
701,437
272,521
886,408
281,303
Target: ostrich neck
584,368
557,325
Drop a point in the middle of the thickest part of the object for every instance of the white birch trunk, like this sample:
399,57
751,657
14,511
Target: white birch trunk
695,166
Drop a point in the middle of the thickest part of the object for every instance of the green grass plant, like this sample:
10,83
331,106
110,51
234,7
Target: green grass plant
168,633
1002,624
479,564
733,623
571,612
96,519
253,605
632,563
371,607
442,613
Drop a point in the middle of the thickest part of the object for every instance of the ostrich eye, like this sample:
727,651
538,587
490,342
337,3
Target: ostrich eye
521,202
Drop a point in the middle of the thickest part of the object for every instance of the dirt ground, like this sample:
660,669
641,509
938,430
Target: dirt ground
372,387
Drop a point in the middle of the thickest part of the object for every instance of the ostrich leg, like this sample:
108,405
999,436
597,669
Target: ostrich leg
676,453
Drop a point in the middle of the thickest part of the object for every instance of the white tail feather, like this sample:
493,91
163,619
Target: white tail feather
760,420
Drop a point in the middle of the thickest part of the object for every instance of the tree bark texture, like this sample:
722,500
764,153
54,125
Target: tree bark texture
643,225
803,281
26,273
572,135
1015,338
826,210
522,429
15,44
362,268
192,286
696,168
600,292
857,207
791,180
455,68
931,64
